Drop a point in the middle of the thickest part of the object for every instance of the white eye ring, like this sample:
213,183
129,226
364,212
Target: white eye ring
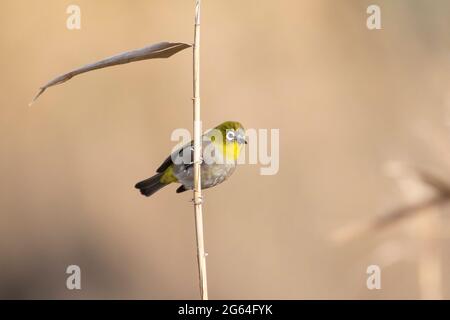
230,135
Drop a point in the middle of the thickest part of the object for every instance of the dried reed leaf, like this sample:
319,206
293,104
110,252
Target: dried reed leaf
158,50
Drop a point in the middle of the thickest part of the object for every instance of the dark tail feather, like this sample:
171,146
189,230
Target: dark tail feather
181,189
149,186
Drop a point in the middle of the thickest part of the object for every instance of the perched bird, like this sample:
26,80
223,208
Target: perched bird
221,148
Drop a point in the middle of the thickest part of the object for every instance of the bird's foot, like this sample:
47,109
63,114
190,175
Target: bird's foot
198,200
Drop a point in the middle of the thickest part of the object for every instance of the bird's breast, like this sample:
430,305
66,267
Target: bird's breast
212,174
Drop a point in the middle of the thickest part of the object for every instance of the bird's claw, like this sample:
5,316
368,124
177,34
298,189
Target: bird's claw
199,200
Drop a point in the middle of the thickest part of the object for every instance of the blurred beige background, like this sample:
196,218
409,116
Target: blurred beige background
346,100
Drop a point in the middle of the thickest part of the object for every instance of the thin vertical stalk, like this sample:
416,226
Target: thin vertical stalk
201,256
430,264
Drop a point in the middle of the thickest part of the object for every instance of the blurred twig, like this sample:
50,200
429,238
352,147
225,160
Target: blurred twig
426,194
441,197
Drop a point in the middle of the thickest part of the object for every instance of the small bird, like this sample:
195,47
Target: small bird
224,143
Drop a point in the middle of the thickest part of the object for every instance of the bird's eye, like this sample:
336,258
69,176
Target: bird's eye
230,135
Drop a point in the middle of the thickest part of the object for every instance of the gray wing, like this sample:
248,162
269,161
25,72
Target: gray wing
178,154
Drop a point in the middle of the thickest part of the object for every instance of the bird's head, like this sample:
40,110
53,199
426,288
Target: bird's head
229,135
232,132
